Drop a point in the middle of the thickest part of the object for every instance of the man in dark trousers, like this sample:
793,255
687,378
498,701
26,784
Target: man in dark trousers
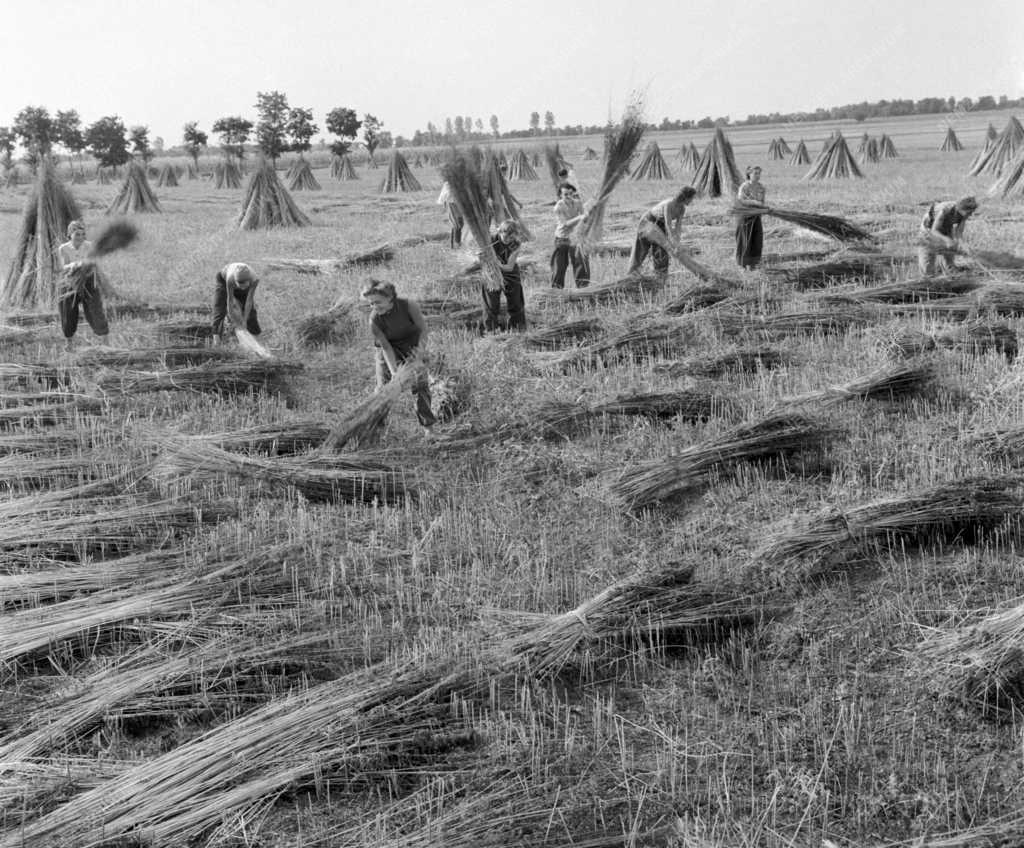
941,230
234,297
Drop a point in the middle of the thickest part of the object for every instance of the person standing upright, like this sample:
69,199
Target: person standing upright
749,229
569,212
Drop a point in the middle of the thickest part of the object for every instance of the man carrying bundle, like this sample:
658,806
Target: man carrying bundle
79,285
667,216
569,212
234,297
941,230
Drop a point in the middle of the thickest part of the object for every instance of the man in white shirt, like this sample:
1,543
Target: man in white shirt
79,285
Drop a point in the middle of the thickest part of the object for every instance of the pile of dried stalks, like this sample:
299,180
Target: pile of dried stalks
560,335
772,438
362,426
399,176
301,178
824,274
520,169
342,169
886,149
276,439
267,203
835,162
652,166
711,366
999,151
689,157
952,511
906,291
378,255
633,287
219,377
800,155
887,383
168,176
135,194
48,414
951,144
716,172
227,174
160,357
975,337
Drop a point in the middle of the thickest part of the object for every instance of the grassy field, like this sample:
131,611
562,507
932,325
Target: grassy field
783,651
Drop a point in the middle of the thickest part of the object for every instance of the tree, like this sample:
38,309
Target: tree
534,123
139,137
344,123
449,131
479,126
549,122
194,141
272,126
35,129
460,128
234,133
7,145
431,132
467,122
68,132
105,141
384,140
371,133
494,126
301,129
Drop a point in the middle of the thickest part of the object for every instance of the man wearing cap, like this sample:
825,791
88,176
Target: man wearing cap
234,297
941,230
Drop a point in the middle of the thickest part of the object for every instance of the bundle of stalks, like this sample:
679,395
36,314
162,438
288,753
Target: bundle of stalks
32,280
742,359
278,439
48,414
168,176
823,274
301,178
835,162
655,234
42,472
772,438
640,342
57,395
399,176
520,169
226,174
220,377
589,154
865,140
185,332
907,291
218,675
837,319
44,442
1011,183
565,333
952,511
1005,299
22,374
346,171
16,335
363,424
695,298
951,143
1006,443
620,144
267,203
887,383
350,478
689,157
774,153
99,525
785,148
997,259
135,194
467,187
981,157
717,173
384,252
251,345
828,225
652,166
633,287
166,357
869,152
502,203
557,170
886,149
42,585
337,325
800,155
975,337
115,236
999,151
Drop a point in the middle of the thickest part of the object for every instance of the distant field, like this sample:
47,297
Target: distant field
510,654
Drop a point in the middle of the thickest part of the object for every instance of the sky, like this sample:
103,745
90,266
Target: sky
162,64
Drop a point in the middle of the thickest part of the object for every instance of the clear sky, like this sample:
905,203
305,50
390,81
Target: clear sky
164,62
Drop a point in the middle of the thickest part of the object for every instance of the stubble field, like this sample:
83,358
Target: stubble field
779,653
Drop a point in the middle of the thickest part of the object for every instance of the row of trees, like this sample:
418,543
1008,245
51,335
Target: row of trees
279,128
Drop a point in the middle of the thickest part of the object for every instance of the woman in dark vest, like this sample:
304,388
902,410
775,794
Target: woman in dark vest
399,335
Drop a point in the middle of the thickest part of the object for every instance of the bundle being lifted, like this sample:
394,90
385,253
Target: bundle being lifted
135,194
886,149
302,178
620,144
951,143
399,176
1000,151
800,155
227,174
652,166
267,203
168,176
520,169
717,173
32,279
558,168
835,163
689,157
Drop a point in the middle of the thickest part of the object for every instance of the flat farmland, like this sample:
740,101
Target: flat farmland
694,564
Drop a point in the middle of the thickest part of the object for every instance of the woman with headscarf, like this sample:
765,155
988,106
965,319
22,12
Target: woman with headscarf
749,230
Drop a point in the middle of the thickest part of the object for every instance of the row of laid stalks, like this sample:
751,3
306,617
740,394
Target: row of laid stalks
365,719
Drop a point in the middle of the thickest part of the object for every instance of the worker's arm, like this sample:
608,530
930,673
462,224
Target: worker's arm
385,346
417,318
